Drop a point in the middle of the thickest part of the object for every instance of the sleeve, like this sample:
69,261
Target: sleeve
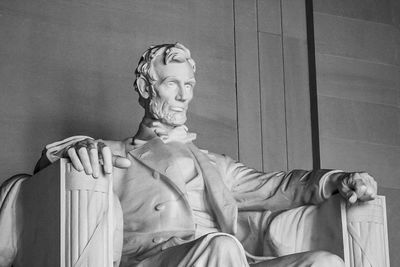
255,190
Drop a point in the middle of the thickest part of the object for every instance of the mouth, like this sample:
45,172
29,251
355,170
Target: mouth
177,109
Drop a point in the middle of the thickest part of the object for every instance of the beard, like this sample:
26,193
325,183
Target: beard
160,110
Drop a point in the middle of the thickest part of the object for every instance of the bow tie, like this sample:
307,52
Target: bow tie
176,134
150,129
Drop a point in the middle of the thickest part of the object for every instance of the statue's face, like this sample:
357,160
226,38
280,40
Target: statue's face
174,91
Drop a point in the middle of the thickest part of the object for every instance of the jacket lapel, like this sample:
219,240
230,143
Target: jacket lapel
219,196
156,155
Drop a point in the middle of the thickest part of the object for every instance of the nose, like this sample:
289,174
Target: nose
184,93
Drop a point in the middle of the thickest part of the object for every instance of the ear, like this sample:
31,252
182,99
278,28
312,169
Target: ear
143,88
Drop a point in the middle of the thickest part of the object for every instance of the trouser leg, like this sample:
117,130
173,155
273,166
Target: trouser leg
305,259
283,235
212,250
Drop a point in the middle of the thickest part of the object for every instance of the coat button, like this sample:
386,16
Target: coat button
158,239
159,207
156,175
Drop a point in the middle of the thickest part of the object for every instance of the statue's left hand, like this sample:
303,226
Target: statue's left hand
357,186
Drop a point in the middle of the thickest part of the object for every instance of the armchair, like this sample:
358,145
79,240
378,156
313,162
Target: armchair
68,219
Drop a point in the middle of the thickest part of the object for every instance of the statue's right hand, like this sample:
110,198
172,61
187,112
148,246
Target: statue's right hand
89,155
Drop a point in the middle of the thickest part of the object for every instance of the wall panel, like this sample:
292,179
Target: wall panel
247,82
349,78
273,102
274,94
297,91
269,16
360,39
377,11
361,121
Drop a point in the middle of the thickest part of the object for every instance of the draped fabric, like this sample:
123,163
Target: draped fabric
9,223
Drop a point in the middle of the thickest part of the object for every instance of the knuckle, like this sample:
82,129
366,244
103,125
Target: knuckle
102,146
71,152
82,151
359,182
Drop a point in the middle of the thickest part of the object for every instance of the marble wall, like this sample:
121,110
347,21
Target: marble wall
358,76
67,68
274,125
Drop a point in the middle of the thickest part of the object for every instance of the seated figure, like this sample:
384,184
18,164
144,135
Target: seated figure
183,206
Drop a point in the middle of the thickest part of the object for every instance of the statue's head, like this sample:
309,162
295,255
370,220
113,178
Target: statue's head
165,81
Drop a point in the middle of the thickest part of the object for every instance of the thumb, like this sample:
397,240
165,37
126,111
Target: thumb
120,162
352,197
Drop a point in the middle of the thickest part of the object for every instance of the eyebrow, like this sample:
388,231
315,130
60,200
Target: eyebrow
191,80
168,77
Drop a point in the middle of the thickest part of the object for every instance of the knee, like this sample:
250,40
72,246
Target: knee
226,251
323,258
226,243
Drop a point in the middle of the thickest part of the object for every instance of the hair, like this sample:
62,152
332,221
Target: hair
170,53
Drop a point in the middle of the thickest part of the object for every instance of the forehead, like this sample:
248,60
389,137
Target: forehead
181,70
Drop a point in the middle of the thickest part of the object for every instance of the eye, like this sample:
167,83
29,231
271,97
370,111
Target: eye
188,86
170,84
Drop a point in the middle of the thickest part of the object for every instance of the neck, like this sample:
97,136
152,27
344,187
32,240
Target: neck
150,129
147,127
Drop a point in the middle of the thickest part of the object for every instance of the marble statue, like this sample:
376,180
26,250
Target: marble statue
184,206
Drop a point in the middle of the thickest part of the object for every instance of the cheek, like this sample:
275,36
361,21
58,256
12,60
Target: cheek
166,95
167,99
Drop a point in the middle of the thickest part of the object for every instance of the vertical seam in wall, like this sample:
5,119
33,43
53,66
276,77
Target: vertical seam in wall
236,84
259,88
312,79
284,88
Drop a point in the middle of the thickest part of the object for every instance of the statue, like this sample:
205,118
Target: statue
183,206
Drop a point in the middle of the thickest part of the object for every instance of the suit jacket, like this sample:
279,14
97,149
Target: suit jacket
156,211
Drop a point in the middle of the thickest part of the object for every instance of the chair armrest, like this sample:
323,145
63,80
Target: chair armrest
357,233
67,219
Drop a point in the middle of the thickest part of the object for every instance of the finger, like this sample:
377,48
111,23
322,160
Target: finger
107,159
121,162
192,136
74,159
94,160
342,185
370,194
371,185
352,197
157,124
375,185
85,160
360,186
160,131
